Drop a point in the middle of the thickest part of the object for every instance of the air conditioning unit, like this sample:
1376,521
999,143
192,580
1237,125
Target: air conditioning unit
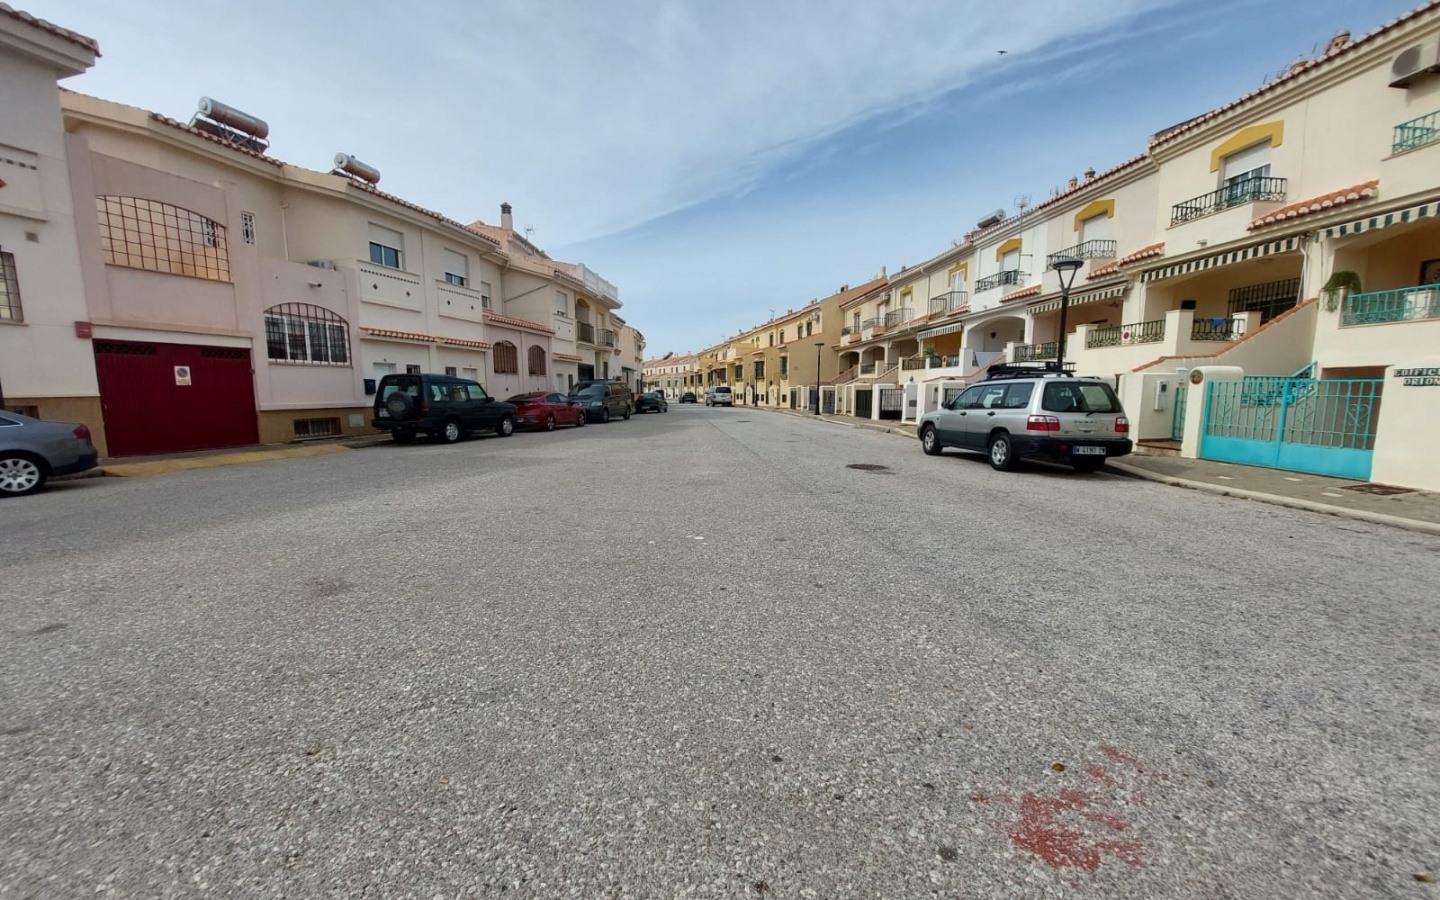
322,263
1237,325
1415,62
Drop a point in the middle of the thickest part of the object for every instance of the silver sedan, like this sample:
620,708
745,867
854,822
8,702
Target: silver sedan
32,451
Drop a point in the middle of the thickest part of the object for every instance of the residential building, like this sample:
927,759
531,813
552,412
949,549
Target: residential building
670,374
45,364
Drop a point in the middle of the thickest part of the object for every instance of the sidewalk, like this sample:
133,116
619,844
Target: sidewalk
1397,507
128,467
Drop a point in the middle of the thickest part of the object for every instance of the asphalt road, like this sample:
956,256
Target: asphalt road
695,655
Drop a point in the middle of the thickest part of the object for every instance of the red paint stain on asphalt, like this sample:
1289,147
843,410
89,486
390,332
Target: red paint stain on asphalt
1122,757
1100,775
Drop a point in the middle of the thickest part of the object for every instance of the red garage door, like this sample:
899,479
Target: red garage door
164,398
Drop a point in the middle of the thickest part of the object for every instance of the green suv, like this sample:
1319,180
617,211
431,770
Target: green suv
442,406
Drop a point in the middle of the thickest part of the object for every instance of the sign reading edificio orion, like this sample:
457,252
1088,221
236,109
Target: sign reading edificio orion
1419,377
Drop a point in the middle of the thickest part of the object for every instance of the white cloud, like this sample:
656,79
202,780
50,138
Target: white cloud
588,116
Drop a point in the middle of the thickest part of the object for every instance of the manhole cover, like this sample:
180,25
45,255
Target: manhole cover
1382,490
868,467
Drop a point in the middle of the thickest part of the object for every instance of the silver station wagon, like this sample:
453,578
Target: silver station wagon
1019,412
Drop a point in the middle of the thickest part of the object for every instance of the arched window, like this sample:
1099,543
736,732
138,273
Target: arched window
537,359
507,359
148,234
305,333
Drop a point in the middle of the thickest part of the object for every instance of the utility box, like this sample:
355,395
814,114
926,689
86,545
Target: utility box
1162,396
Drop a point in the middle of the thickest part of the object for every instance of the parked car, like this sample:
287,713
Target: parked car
651,400
687,397
32,451
441,406
603,400
542,410
720,395
1023,412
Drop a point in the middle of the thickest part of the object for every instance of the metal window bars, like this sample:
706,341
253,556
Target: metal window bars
1245,190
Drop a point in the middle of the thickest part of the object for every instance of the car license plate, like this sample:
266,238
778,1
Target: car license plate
1089,451
383,414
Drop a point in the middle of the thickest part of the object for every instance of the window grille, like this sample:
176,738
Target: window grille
305,333
507,359
10,310
309,428
148,234
247,227
537,360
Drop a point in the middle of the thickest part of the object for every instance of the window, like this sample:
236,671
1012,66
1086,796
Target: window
857,320
484,295
1097,228
471,374
450,370
784,366
1252,162
308,428
476,392
772,338
759,370
562,304
147,234
537,360
1010,261
247,227
10,310
412,370
782,335
507,359
305,333
809,328
1018,395
386,247
1090,397
457,268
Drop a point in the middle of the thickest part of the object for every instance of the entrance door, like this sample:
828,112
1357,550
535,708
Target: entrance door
1322,426
168,398
862,404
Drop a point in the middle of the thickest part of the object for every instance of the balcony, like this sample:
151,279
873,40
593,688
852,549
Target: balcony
1009,276
1250,190
1269,299
1402,305
1207,329
867,369
585,332
1416,133
896,317
1151,332
1086,250
1036,352
607,338
948,302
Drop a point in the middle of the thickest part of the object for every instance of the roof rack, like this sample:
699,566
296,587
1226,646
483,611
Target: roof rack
1020,370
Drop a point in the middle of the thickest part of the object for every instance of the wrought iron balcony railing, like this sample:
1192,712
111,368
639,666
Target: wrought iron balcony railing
1117,335
896,317
1213,329
1269,299
1247,191
1009,276
948,302
584,331
1416,133
1036,352
846,330
607,338
1402,305
869,324
867,369
1085,250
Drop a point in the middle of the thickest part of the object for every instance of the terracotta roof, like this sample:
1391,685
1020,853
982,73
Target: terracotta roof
1032,291
73,37
463,342
517,323
1296,71
1061,197
1280,318
402,335
1109,268
568,357
173,123
1141,254
372,189
1318,204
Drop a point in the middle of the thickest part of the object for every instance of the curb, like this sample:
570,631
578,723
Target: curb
182,464
1277,500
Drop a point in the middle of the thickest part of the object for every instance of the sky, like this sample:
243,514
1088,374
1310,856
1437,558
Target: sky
719,162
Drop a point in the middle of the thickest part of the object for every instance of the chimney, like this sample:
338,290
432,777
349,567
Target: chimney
507,222
1089,174
1074,182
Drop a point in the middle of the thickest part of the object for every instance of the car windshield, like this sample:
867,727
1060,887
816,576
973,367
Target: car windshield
524,398
1080,397
591,390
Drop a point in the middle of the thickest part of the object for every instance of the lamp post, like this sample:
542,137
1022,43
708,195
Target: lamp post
1066,269
818,346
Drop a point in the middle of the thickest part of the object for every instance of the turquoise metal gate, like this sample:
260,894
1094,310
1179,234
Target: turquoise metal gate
1322,426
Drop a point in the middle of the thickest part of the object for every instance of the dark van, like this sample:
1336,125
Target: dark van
441,406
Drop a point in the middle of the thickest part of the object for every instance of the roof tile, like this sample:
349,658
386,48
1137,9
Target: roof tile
1318,204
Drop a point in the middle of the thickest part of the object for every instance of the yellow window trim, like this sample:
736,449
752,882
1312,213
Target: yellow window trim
1248,137
1099,207
1012,244
907,292
959,267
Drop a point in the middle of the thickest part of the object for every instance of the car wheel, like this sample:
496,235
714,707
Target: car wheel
506,426
580,422
403,437
930,441
550,422
605,416
20,475
626,414
1002,455
450,432
1088,465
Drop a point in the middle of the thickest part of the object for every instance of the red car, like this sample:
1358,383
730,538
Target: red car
539,410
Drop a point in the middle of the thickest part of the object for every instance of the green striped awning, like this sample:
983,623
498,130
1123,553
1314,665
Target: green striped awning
943,329
1222,259
1385,220
1076,300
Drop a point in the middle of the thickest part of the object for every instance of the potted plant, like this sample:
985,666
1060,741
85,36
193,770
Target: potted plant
1341,285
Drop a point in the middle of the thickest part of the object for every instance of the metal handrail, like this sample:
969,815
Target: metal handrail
1009,276
1400,305
1416,133
950,300
898,316
1085,250
584,331
913,362
1219,328
1036,352
1149,332
1247,191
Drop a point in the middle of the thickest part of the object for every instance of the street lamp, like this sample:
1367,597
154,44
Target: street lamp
1067,270
818,346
